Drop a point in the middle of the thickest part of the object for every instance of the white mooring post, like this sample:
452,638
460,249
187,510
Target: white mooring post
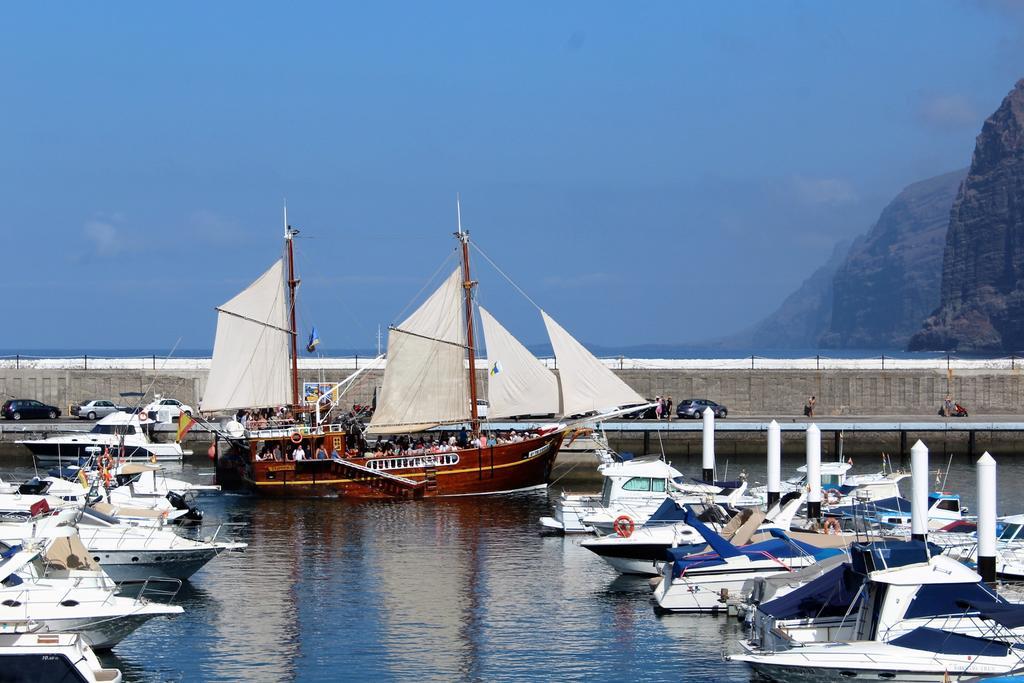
987,518
709,445
774,463
919,476
813,472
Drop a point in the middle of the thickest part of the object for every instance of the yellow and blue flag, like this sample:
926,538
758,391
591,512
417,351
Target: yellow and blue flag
496,368
314,339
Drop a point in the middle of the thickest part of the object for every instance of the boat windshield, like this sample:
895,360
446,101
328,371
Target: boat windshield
1010,532
113,429
606,492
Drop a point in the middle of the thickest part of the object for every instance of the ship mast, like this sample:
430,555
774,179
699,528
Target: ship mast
293,283
467,285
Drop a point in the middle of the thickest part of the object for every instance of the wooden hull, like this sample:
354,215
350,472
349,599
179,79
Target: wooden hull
469,471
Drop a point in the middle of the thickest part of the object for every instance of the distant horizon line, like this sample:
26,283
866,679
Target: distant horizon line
666,351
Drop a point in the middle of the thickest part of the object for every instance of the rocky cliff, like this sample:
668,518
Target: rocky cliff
982,304
891,278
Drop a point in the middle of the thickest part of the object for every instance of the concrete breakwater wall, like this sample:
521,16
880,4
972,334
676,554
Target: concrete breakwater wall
766,392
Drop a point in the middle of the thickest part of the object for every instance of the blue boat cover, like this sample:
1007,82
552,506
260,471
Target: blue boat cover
11,552
780,548
1003,613
829,595
669,512
868,557
69,473
948,643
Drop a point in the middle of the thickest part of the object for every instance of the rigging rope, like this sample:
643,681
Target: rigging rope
507,278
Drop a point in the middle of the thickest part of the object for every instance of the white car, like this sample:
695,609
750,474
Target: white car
171,406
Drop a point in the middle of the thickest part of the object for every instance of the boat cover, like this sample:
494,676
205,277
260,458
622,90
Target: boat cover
868,557
1003,613
829,595
948,643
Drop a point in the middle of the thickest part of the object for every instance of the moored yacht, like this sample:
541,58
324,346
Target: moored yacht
706,582
120,434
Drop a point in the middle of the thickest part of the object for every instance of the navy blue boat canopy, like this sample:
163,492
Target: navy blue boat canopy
948,643
868,557
670,511
829,595
1003,613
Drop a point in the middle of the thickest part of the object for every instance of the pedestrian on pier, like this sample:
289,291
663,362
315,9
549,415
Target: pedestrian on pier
809,410
668,408
658,407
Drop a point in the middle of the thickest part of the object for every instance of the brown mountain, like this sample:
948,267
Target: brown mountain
890,280
982,304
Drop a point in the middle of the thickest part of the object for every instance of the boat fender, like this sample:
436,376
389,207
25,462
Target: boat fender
624,526
296,437
832,526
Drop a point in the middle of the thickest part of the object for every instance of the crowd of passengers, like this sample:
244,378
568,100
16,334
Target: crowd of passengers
283,416
402,446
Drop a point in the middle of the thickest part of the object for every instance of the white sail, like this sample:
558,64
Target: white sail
425,380
250,352
517,383
587,384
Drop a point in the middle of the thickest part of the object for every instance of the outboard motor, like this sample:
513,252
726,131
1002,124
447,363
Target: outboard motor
180,502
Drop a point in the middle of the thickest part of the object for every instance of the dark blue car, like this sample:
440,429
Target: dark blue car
22,408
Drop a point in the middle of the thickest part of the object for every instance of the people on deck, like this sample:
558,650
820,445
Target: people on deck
321,453
298,453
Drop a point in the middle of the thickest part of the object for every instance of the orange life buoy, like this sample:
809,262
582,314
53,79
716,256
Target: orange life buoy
296,437
833,496
624,526
106,462
832,526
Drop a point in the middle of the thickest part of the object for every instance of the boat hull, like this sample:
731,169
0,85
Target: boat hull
469,471
133,566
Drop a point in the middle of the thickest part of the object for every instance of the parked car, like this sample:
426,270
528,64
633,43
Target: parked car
95,409
23,408
172,405
694,407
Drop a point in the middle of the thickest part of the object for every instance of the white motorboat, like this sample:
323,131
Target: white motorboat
36,657
634,488
1009,547
887,590
839,487
644,550
924,654
86,604
707,582
136,554
113,432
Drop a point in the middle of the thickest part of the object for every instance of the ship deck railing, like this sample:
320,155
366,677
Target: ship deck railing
413,461
279,431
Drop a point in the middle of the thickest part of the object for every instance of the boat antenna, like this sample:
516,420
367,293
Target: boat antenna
467,285
293,283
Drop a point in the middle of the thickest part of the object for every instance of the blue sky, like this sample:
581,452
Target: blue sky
662,172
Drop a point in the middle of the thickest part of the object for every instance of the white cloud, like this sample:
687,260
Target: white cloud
104,237
830,191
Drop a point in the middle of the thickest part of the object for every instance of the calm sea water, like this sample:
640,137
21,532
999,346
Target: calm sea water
441,590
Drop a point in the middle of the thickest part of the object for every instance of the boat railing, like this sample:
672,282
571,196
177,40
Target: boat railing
155,593
413,461
281,430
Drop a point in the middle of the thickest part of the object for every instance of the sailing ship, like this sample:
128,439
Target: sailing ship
430,381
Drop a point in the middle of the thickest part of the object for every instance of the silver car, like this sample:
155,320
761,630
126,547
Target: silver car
92,410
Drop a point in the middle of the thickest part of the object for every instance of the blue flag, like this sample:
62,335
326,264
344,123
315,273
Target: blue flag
314,339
